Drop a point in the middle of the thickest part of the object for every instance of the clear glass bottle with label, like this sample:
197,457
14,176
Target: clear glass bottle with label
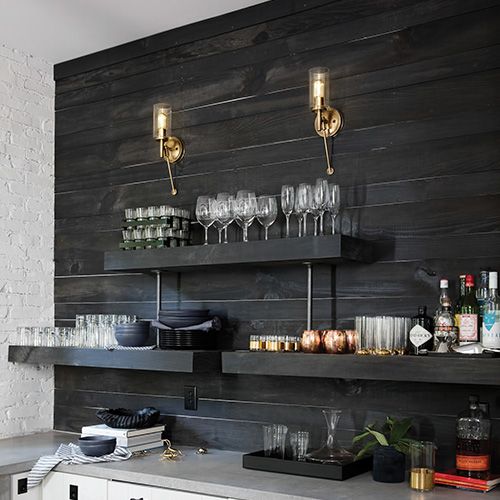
491,315
445,332
469,314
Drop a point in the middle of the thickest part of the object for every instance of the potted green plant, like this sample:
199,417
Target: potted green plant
389,446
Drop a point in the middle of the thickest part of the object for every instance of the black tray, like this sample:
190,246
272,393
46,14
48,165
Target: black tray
258,461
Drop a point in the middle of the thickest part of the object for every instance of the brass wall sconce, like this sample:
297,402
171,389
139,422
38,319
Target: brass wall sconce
328,121
171,148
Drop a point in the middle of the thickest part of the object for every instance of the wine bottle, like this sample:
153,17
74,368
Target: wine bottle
461,296
491,317
469,312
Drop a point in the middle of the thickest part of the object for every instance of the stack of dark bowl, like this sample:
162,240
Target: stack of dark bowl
132,334
180,336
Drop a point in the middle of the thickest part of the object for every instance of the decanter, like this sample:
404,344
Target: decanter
331,452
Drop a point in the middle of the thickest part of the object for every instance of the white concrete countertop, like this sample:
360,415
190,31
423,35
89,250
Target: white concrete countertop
218,473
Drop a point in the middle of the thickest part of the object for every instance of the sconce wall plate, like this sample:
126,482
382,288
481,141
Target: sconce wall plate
173,149
329,122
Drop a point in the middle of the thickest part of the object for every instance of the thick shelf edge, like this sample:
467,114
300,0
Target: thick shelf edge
156,360
430,369
319,249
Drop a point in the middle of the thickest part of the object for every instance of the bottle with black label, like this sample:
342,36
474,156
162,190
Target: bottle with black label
425,322
473,441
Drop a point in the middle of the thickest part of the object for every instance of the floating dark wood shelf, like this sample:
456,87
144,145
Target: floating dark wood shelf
447,370
320,249
157,360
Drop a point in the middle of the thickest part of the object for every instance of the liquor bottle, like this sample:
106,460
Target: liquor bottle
482,296
445,332
469,312
425,322
491,317
461,296
473,441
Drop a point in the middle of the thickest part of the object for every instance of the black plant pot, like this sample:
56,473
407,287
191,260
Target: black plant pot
389,465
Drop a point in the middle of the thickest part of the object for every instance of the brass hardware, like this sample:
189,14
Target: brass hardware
328,121
171,148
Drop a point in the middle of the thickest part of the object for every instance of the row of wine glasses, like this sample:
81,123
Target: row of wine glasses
244,208
315,199
223,209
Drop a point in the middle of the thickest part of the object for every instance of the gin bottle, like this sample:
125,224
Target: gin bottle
491,315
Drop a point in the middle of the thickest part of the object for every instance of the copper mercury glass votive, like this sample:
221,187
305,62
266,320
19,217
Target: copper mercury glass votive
334,341
311,341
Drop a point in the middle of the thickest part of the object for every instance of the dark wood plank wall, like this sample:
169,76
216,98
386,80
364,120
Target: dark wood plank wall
418,165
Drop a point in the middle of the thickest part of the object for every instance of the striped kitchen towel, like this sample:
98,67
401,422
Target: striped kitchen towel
70,454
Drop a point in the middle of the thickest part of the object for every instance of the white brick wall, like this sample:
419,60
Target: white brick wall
26,233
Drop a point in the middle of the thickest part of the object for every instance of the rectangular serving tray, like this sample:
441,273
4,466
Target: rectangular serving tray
258,461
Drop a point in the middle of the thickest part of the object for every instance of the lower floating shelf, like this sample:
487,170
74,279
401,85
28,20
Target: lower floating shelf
434,369
156,360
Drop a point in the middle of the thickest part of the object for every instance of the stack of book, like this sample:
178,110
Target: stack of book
466,483
132,439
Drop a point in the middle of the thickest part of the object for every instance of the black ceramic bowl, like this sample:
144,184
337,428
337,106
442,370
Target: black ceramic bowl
184,321
96,446
183,312
132,339
120,418
140,326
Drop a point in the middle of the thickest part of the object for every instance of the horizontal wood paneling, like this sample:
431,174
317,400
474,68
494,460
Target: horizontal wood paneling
417,162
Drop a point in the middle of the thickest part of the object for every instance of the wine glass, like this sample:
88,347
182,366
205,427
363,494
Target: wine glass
245,210
287,204
227,197
304,200
223,216
318,201
267,210
322,184
333,203
203,214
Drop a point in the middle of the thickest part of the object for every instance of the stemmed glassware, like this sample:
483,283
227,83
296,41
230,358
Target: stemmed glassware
317,202
203,213
287,204
322,187
245,210
304,203
333,203
223,215
267,211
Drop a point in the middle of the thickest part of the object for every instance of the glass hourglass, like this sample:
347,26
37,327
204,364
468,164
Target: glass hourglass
331,452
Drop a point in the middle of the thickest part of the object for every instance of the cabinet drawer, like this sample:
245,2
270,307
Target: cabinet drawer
62,486
128,491
18,488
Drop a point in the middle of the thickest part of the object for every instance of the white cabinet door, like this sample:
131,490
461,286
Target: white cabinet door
62,486
163,494
128,491
18,488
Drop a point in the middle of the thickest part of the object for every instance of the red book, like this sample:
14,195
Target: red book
453,479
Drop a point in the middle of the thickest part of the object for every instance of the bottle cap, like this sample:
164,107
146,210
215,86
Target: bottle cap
469,280
422,310
493,279
443,283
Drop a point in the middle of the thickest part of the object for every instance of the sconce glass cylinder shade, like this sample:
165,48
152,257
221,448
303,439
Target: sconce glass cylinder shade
319,88
162,121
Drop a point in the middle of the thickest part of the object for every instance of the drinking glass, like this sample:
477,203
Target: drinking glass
299,442
317,204
245,210
304,200
203,214
223,215
322,186
423,457
333,203
267,211
230,199
299,214
287,204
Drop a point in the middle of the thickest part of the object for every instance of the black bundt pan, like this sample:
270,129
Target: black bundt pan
120,418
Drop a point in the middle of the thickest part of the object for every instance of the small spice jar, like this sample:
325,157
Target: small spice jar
311,341
254,343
